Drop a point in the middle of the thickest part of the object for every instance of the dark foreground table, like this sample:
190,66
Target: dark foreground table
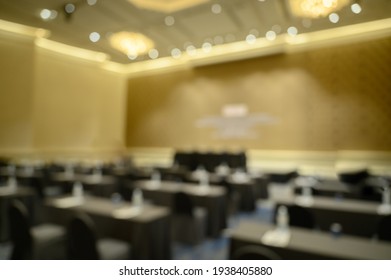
308,244
148,230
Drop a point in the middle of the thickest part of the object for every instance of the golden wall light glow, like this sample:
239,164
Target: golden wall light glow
71,51
282,43
316,8
24,29
114,67
131,44
340,35
166,6
161,65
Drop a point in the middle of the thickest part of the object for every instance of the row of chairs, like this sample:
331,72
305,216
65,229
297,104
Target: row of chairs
48,241
210,160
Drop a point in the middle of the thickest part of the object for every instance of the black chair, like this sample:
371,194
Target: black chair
183,159
301,217
45,241
237,160
282,178
83,243
353,177
183,205
189,222
384,229
243,196
254,252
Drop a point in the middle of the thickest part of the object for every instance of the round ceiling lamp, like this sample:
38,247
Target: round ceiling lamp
316,8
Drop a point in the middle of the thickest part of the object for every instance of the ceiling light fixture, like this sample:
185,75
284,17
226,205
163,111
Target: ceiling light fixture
130,43
47,14
166,6
316,8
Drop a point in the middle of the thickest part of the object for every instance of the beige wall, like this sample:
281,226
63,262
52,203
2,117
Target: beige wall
16,87
328,99
52,104
77,104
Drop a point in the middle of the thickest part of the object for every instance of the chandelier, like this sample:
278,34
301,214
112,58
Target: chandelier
130,43
166,6
316,8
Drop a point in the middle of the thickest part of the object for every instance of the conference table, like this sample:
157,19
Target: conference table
147,229
330,188
357,217
100,185
306,244
212,198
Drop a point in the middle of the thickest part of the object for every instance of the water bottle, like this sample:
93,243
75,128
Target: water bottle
11,170
98,173
336,230
386,196
223,169
282,218
77,190
385,206
204,180
307,192
137,198
156,177
116,199
12,183
69,170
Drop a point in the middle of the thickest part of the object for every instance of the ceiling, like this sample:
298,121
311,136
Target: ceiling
232,21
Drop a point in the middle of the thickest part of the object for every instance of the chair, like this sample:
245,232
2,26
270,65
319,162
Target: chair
280,185
184,159
282,178
45,241
244,196
83,243
254,252
353,177
384,228
238,160
189,222
301,217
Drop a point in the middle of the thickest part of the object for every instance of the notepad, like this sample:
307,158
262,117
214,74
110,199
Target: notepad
305,201
68,202
152,185
384,209
7,190
127,212
276,237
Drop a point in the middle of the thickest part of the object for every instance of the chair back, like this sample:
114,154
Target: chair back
353,177
384,228
254,252
20,234
82,239
301,217
182,204
282,178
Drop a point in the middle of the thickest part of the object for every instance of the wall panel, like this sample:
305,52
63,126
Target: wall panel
327,99
16,87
